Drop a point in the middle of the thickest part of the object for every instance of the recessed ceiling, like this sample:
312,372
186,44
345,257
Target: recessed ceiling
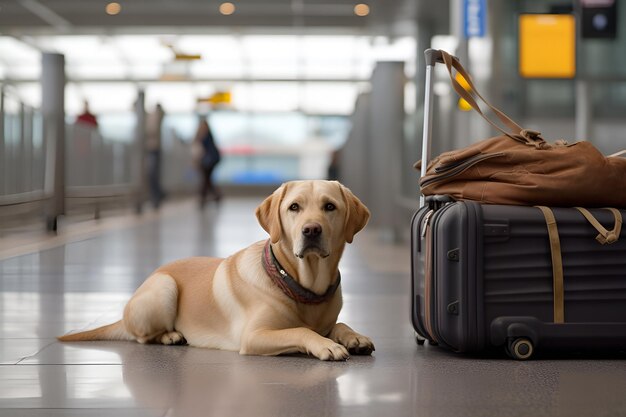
184,16
261,45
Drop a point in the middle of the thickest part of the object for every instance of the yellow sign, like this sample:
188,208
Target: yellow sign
187,57
221,97
547,46
463,104
462,81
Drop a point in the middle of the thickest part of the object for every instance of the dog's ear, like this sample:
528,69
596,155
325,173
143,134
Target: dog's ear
357,214
268,213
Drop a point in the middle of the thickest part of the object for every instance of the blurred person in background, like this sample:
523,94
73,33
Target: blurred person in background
206,156
85,126
154,127
86,118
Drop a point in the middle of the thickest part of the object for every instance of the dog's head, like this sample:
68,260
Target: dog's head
312,217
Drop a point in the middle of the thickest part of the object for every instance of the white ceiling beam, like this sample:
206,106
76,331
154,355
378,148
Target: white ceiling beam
197,30
46,14
142,80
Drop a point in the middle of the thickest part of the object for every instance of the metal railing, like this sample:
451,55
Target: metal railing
97,170
22,152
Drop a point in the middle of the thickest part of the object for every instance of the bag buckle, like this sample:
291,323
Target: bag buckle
531,134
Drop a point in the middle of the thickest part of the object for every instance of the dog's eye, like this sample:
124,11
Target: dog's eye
294,207
329,207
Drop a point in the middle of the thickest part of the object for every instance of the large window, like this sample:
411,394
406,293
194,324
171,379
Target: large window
290,95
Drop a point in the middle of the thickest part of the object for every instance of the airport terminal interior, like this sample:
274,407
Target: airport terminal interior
136,133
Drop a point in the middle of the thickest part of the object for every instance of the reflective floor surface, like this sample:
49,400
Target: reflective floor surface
85,283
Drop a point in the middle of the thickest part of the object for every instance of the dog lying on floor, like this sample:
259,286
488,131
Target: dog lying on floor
277,296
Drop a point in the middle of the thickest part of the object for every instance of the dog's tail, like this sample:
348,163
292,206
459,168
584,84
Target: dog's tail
115,331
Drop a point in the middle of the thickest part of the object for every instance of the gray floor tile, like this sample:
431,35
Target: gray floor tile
13,351
64,386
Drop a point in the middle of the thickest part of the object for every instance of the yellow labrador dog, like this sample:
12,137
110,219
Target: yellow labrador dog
277,296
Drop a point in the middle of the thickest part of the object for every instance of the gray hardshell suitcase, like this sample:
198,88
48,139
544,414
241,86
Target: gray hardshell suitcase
484,276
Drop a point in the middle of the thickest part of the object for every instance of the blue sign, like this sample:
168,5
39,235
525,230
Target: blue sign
474,18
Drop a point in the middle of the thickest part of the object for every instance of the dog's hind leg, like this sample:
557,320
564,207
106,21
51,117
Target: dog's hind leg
151,313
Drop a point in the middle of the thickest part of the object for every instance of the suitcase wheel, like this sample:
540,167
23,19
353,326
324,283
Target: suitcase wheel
419,339
520,348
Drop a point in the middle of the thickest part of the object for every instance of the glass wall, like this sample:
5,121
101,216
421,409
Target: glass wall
262,147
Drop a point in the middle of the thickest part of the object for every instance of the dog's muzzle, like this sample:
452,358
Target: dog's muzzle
312,241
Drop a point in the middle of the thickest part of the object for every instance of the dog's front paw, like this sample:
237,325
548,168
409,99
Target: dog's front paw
173,338
358,344
332,352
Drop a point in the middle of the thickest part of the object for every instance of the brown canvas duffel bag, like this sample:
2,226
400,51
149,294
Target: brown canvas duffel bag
519,167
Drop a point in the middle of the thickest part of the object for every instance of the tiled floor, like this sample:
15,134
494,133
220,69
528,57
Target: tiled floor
85,283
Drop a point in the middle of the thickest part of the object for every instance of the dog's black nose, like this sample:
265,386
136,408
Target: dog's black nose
312,230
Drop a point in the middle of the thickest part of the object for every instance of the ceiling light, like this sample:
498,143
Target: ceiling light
227,8
361,9
113,8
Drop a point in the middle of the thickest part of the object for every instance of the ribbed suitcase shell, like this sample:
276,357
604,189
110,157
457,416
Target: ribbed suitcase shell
492,278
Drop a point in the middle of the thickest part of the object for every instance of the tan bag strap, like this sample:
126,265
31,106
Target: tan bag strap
620,153
604,236
516,131
557,265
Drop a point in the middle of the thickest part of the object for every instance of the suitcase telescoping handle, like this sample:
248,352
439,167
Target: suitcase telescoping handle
432,56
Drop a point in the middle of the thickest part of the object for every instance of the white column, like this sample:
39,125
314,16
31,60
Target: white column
53,111
3,173
386,126
583,110
138,175
461,119
353,169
